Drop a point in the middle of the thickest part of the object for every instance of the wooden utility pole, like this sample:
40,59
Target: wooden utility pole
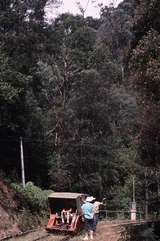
22,162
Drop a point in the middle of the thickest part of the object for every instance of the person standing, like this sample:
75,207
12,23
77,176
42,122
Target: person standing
88,214
96,209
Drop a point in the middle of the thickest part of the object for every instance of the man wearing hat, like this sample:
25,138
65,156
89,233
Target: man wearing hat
88,214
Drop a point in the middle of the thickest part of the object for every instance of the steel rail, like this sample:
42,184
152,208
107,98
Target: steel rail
19,234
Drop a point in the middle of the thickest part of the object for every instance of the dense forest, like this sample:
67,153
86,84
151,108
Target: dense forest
83,94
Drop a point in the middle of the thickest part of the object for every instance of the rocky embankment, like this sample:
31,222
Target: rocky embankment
9,210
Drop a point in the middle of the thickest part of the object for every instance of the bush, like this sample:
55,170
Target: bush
35,197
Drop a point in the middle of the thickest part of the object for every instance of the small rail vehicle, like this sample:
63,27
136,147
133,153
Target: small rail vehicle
65,211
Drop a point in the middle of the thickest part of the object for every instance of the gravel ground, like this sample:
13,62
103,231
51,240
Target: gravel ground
105,232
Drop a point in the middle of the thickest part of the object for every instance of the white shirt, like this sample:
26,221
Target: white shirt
96,206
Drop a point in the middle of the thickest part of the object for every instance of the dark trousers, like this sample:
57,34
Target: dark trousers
89,224
96,219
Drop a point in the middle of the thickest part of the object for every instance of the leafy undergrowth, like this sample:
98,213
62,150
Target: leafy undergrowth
21,209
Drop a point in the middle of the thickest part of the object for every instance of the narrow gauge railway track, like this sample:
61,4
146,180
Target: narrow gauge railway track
38,235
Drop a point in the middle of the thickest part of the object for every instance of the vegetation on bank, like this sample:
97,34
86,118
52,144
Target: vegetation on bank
22,209
35,198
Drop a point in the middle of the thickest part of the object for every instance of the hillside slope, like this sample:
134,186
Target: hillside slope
10,205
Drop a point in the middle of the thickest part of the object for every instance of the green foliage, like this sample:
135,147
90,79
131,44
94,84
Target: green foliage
83,83
121,197
144,74
146,57
10,80
35,197
116,29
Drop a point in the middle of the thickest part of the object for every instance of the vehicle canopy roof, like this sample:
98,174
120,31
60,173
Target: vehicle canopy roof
60,200
66,195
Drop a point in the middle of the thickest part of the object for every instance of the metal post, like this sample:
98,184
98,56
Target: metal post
134,190
133,206
22,162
